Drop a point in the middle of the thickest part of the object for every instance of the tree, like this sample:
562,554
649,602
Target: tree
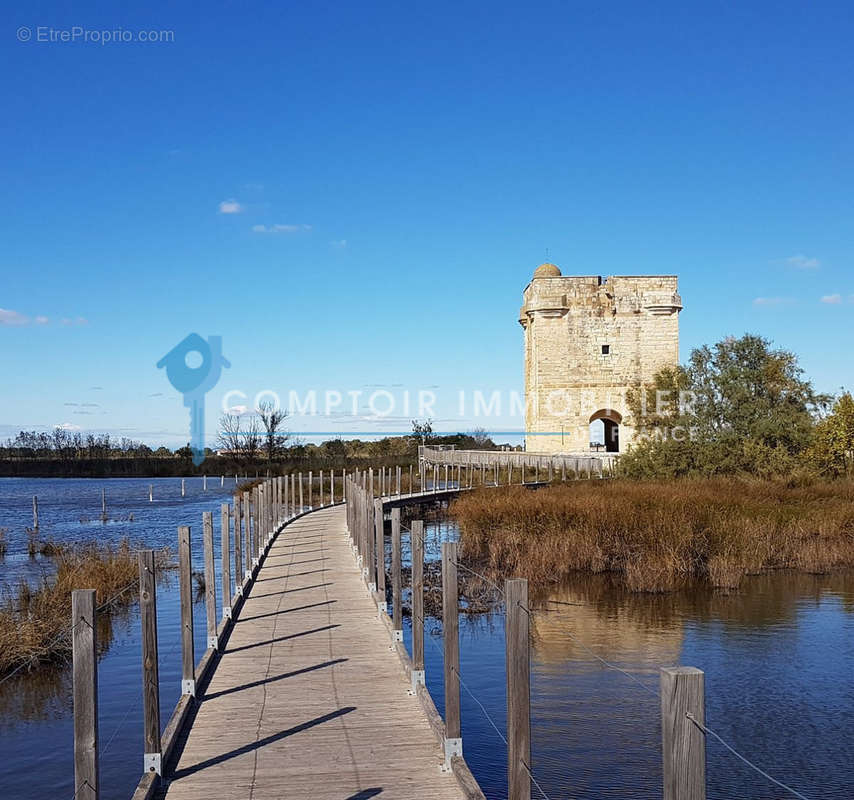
272,419
481,440
739,406
832,451
422,430
228,437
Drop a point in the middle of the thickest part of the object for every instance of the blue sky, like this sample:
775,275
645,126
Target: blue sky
394,173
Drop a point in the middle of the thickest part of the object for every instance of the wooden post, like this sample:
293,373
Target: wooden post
210,577
379,551
150,669
225,546
238,548
332,487
410,480
185,585
183,488
247,535
103,505
320,501
85,668
310,487
683,744
150,492
416,545
451,636
301,506
256,519
396,588
204,483
517,626
35,513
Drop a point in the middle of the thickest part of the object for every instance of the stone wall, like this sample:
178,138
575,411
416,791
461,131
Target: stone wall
587,340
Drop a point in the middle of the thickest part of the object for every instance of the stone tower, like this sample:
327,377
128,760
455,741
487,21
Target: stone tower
587,341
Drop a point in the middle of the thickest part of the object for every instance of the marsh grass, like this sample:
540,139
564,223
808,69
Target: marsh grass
34,617
659,535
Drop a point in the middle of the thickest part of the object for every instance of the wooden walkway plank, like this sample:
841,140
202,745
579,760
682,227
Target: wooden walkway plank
308,700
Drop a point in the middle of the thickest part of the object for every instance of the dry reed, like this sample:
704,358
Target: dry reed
658,535
34,618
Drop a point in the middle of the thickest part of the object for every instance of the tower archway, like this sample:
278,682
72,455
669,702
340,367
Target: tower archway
605,429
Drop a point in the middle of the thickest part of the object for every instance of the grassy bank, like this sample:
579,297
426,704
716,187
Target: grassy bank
34,618
657,535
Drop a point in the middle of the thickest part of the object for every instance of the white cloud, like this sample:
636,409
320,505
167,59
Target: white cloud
800,261
67,426
41,320
230,207
832,299
9,317
771,301
339,244
280,228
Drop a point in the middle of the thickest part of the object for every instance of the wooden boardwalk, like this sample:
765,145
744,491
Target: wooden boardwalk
308,699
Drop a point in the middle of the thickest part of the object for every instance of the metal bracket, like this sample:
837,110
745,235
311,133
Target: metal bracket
213,642
247,576
254,562
151,763
372,585
188,686
226,612
397,635
453,747
238,590
416,676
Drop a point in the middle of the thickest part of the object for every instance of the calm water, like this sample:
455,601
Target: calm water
778,658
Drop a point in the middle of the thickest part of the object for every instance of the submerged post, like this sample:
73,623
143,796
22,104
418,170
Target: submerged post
185,586
103,505
150,668
150,492
416,545
35,513
396,588
85,668
450,627
683,743
225,546
517,625
183,488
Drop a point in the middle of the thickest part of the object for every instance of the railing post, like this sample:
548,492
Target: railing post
416,545
225,545
185,586
517,626
683,744
301,505
247,536
85,669
310,486
396,588
150,668
379,554
238,548
332,487
210,577
451,635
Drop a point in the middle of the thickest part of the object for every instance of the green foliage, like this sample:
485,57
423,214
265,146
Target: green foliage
737,407
832,451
